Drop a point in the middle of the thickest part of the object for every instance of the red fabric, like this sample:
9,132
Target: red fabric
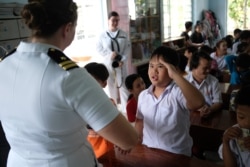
131,109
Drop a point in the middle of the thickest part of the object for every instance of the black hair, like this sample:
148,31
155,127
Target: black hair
242,47
97,70
195,59
243,61
237,31
45,17
242,97
168,54
245,34
183,60
220,42
188,24
191,49
229,39
112,13
206,49
130,79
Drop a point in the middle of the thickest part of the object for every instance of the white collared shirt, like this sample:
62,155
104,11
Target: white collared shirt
210,88
166,120
222,64
45,109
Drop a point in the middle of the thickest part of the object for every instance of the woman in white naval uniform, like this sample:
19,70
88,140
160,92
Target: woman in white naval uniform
47,101
112,43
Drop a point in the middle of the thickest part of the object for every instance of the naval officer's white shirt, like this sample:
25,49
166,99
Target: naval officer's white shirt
45,109
166,120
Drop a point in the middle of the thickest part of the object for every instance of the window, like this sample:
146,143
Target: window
175,14
91,21
238,15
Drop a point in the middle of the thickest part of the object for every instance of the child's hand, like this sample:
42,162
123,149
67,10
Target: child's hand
204,111
171,68
247,142
231,133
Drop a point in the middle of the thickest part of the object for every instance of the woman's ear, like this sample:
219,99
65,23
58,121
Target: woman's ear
67,28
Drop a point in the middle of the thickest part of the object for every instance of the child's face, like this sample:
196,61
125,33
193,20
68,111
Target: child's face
158,73
203,69
138,86
243,116
222,48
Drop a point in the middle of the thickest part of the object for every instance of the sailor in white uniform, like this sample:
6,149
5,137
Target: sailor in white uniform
47,101
114,46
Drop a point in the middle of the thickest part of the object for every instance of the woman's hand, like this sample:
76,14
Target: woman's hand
124,152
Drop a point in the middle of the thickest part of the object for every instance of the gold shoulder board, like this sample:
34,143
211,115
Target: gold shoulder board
7,54
61,59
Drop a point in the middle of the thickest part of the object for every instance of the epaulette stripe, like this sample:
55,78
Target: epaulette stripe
69,66
7,54
61,59
66,62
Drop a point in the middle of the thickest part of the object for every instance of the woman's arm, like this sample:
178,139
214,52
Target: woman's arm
120,133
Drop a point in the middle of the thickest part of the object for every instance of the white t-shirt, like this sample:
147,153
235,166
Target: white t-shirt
166,120
45,109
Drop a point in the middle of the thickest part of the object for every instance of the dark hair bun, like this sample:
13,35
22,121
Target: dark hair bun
34,15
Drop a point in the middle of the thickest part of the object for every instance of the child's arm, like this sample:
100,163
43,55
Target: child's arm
228,157
193,96
205,111
139,129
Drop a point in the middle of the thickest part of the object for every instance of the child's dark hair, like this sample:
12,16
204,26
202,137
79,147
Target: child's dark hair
243,61
191,49
195,59
237,31
229,39
206,49
130,79
242,47
168,54
188,24
242,97
98,70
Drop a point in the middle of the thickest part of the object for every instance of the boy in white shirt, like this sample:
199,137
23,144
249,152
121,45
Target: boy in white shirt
235,148
163,119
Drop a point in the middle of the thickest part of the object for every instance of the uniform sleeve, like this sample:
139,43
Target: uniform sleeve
88,99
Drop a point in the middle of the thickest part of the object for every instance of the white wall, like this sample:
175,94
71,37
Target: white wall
219,7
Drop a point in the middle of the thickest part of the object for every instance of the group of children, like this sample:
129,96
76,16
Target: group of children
161,112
